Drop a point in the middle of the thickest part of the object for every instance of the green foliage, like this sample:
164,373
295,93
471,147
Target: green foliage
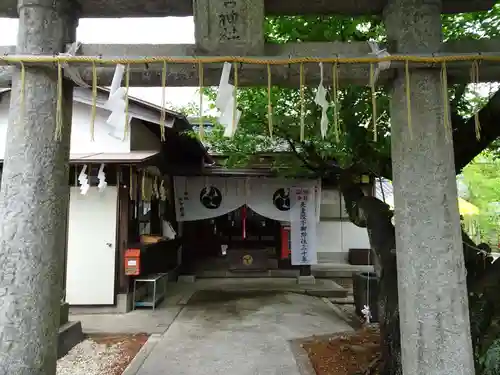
355,127
483,182
491,360
472,25
189,110
356,144
286,29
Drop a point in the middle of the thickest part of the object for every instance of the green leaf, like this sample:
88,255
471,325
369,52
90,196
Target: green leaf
491,359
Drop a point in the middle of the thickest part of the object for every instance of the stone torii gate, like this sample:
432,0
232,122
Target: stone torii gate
34,194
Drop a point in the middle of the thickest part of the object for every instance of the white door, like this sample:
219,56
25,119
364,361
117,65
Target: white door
90,275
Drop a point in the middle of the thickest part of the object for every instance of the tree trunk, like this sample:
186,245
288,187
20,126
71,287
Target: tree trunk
375,216
483,278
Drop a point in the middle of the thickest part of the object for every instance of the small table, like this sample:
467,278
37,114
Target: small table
158,293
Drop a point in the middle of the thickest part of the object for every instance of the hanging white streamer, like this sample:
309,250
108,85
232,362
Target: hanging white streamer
102,178
367,313
226,90
225,103
163,191
116,103
84,181
320,100
156,193
70,71
117,78
382,65
226,119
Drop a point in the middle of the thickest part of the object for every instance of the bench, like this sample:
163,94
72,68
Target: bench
159,288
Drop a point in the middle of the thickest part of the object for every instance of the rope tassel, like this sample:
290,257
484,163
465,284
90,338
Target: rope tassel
335,98
22,92
269,105
446,102
200,77
374,101
408,96
131,184
163,96
474,78
302,104
127,115
235,102
59,108
143,185
94,102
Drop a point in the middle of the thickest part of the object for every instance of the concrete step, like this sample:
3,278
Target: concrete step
320,288
247,274
349,300
334,270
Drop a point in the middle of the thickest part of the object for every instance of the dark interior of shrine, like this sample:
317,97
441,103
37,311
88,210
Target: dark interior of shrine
239,241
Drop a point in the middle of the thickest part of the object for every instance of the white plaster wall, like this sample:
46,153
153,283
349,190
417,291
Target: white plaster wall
332,204
335,238
81,141
104,138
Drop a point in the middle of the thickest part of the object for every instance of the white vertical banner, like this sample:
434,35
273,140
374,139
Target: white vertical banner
303,226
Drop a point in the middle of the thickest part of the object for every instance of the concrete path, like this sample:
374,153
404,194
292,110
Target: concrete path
179,294
244,333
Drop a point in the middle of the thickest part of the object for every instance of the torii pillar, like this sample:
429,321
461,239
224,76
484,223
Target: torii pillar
34,196
435,328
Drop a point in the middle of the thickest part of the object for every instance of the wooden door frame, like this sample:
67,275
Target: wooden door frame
122,227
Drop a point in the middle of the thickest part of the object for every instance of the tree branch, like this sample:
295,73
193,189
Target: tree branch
301,157
459,93
465,143
466,146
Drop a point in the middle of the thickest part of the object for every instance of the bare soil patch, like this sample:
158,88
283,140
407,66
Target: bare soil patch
346,354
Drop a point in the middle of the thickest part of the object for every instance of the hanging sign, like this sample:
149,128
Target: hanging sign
303,227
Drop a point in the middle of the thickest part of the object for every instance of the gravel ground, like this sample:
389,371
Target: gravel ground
89,358
101,355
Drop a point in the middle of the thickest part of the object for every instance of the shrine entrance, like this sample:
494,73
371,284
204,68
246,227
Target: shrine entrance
241,241
236,224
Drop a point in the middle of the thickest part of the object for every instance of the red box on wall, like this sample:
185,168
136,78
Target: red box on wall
132,262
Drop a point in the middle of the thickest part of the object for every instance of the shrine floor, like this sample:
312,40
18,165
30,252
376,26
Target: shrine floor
244,333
